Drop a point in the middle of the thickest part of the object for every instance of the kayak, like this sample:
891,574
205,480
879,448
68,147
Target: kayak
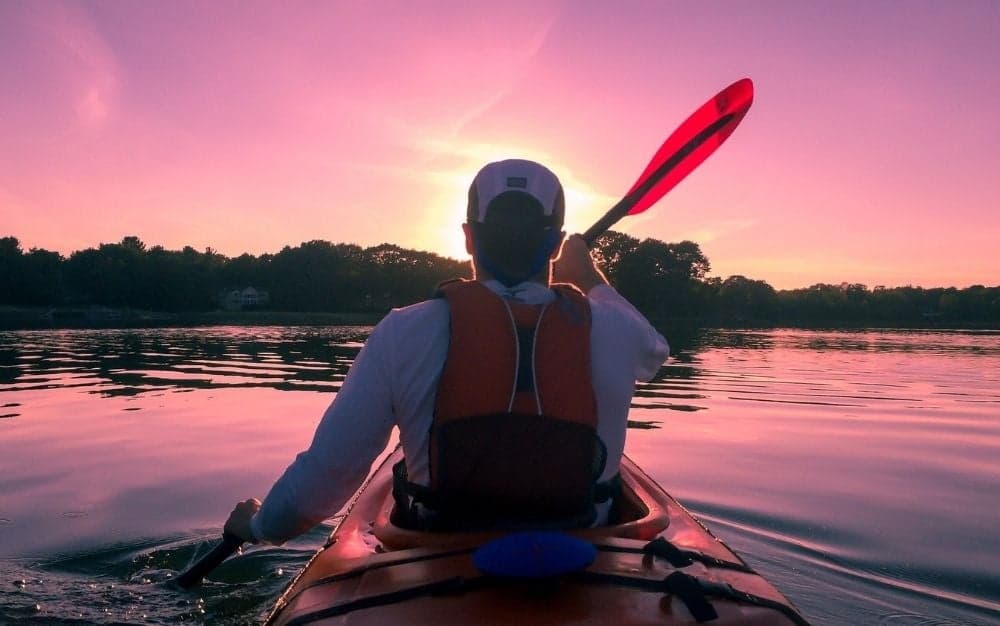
654,564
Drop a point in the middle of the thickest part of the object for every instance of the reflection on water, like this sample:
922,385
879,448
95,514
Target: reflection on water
145,361
857,470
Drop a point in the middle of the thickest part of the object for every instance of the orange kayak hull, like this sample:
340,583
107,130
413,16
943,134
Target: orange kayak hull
374,572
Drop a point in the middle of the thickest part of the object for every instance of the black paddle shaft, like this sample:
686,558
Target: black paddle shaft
624,205
192,577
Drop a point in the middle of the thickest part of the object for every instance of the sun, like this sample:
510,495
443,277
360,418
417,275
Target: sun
444,234
453,242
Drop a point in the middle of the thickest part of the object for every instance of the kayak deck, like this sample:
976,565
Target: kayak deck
656,565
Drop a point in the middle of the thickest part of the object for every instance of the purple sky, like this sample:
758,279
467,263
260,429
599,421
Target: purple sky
870,155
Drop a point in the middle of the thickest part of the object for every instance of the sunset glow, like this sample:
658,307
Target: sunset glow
870,155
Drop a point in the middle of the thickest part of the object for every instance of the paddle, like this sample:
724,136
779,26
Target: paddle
194,574
684,150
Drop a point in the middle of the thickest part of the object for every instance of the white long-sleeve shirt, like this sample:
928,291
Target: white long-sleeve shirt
393,382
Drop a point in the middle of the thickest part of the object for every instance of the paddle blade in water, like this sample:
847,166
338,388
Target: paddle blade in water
691,143
192,577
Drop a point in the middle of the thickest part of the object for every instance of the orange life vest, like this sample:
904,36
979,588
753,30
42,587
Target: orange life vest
514,438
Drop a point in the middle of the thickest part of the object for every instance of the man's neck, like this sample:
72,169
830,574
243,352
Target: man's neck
541,278
528,292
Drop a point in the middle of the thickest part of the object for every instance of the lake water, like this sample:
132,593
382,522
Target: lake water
858,471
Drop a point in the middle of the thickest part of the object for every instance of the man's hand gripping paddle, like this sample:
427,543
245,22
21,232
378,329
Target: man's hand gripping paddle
684,150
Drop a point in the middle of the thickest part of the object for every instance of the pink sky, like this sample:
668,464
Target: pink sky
871,154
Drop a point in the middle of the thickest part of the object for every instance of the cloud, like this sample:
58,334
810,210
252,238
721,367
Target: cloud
79,57
514,66
470,71
717,230
93,106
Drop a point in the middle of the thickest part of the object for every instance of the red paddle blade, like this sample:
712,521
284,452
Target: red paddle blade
692,143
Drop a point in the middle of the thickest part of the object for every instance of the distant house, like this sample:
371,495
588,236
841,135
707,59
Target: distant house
243,299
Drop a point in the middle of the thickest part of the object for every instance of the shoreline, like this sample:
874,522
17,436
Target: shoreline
85,318
99,318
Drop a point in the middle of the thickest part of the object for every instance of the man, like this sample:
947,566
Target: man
511,396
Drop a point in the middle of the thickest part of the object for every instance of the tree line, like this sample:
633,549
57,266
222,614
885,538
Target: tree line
669,280
313,276
664,280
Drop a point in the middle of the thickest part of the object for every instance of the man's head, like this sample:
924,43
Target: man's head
514,221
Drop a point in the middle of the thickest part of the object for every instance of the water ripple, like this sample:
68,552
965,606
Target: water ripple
127,363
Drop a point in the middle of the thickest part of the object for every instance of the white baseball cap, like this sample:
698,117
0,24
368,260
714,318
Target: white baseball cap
517,180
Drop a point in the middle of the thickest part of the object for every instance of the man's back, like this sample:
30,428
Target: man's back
393,382
624,348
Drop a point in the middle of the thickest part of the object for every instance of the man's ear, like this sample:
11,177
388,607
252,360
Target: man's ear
470,245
